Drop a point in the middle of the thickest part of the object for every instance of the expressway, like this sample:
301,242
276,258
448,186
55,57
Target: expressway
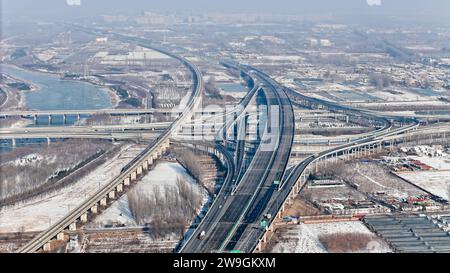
129,131
233,218
133,168
133,111
268,164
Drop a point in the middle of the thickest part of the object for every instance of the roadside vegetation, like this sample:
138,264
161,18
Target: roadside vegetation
346,242
166,209
29,171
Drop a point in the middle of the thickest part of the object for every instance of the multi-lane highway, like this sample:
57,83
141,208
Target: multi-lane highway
267,165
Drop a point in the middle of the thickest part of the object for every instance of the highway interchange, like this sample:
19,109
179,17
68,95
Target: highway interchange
251,191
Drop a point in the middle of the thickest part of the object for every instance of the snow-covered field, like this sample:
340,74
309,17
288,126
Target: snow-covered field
38,214
304,238
436,182
164,174
438,163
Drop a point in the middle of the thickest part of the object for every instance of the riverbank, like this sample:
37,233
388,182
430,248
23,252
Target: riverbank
58,93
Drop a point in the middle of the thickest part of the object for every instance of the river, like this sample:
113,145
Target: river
56,94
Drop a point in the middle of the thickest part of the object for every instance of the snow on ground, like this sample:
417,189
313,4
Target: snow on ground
164,174
438,163
436,182
38,214
21,123
304,238
25,160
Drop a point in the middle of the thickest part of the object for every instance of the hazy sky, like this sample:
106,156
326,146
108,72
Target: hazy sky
432,10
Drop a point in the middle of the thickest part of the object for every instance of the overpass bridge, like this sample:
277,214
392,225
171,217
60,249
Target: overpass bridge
144,131
131,172
174,112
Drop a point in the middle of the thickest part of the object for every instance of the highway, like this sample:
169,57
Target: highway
275,204
273,172
72,216
267,165
117,132
133,111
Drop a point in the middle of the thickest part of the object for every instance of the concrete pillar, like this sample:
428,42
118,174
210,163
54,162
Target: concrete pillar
94,209
47,247
139,170
133,175
119,188
64,118
49,141
13,142
84,217
60,236
103,201
50,119
78,117
35,118
111,194
145,165
126,181
73,226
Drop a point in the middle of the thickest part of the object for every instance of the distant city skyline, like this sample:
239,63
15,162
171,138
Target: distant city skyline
434,11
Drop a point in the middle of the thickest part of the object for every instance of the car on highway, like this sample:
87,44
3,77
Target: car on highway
201,235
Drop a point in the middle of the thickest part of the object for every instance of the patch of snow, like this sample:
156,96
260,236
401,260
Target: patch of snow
165,174
304,238
38,214
436,182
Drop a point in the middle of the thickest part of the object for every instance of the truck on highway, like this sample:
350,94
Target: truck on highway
276,184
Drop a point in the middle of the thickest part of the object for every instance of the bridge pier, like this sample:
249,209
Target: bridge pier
133,176
139,170
73,226
13,142
50,119
84,217
47,247
60,236
119,188
103,201
111,194
35,119
126,181
64,118
94,209
145,165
